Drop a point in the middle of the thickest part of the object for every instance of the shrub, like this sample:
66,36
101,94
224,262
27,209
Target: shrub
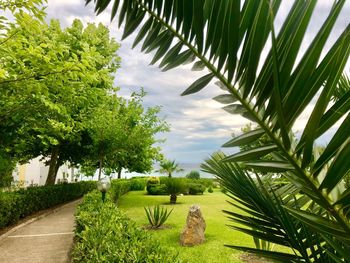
193,175
194,189
119,187
152,181
163,179
21,203
207,182
210,189
157,216
105,234
174,187
137,184
160,189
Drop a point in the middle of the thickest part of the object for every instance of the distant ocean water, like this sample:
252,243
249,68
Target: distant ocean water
187,167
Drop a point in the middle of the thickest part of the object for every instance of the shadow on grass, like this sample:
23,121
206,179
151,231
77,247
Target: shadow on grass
168,203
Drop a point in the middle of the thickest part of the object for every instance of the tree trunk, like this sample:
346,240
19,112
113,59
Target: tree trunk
51,176
58,165
169,174
120,173
101,166
173,199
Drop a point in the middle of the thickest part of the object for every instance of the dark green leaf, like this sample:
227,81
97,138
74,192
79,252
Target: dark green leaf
225,99
198,85
251,154
245,138
269,166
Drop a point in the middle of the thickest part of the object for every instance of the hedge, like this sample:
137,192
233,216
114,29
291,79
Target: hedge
105,234
137,184
19,204
157,186
194,189
119,187
160,189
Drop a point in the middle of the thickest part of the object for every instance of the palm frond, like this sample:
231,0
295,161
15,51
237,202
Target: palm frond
228,38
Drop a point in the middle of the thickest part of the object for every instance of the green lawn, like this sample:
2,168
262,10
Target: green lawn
217,233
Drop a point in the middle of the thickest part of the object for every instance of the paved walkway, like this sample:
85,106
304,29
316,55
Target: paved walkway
48,239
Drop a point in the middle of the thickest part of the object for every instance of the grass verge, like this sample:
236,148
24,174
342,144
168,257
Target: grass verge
217,232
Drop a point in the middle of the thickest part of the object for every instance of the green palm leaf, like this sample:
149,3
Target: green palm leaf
228,37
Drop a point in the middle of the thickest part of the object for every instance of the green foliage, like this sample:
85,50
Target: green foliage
18,7
207,182
137,184
160,189
193,175
157,215
347,181
52,80
169,167
58,100
273,91
123,135
21,203
105,234
266,206
152,181
210,189
175,185
7,165
119,187
194,189
188,186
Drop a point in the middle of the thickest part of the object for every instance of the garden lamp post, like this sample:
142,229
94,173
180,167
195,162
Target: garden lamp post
103,185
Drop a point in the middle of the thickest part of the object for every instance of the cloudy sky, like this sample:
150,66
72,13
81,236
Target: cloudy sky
198,124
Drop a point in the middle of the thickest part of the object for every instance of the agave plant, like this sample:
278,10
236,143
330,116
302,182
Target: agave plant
157,215
228,39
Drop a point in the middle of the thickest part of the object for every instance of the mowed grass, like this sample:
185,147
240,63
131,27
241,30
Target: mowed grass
217,233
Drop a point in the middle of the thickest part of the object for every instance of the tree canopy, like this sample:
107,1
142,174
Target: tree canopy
123,135
58,100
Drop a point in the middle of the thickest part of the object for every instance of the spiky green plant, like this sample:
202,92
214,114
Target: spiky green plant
228,39
157,215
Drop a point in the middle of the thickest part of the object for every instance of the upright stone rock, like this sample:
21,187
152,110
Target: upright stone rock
193,233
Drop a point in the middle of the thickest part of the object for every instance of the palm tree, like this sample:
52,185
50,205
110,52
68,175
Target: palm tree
168,167
228,39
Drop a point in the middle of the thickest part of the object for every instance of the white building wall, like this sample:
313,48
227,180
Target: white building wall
35,173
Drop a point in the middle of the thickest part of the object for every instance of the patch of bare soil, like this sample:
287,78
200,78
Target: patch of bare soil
251,258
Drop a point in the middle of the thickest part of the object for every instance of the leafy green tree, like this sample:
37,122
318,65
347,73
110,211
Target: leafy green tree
16,8
123,135
169,167
6,167
228,38
54,78
193,175
139,150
